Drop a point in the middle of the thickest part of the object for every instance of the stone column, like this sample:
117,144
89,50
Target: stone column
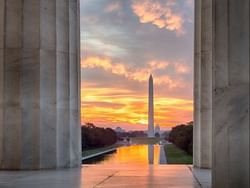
231,94
203,85
39,84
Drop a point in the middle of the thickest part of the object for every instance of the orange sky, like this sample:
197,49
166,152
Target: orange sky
122,43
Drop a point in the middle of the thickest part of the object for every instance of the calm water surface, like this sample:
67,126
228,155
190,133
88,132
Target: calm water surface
134,154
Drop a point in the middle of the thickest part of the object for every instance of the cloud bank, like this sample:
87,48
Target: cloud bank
159,13
140,74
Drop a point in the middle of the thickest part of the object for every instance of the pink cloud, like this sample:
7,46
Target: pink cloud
182,68
158,64
140,74
161,15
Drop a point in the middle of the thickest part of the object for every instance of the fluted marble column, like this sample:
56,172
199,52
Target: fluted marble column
203,85
231,94
39,84
222,30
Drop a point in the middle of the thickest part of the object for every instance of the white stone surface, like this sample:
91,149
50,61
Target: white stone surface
222,38
13,23
12,109
1,103
39,84
203,85
197,85
2,5
203,176
63,123
108,176
30,95
48,109
75,82
63,90
231,94
2,17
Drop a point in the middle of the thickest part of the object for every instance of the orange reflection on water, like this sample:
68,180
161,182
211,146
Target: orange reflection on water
135,154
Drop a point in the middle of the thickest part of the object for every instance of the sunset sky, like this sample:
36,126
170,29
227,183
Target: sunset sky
122,42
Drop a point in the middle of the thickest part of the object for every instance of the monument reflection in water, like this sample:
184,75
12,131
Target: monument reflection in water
135,154
160,155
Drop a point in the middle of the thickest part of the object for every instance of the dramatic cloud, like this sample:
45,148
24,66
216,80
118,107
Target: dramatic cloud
160,14
139,74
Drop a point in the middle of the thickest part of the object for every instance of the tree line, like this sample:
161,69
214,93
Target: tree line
182,137
95,137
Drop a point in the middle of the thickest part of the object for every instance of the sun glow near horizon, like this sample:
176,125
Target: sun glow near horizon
115,107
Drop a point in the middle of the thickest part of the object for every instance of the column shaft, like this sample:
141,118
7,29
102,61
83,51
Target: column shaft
30,85
203,85
74,82
197,85
48,84
12,80
2,16
231,94
39,84
63,124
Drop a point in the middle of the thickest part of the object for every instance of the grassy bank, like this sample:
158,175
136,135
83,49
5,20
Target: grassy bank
177,156
146,140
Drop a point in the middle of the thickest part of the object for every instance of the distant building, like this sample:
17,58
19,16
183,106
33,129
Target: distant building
119,130
158,129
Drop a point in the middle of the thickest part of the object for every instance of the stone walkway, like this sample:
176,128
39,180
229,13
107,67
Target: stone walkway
155,176
109,176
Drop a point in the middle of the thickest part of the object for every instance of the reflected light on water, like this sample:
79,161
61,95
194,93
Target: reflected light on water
135,154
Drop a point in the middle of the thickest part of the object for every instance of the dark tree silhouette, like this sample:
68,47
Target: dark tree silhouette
182,136
95,137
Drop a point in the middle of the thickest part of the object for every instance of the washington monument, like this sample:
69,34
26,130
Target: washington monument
150,107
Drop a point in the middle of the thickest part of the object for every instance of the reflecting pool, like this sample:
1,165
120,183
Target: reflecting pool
134,154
